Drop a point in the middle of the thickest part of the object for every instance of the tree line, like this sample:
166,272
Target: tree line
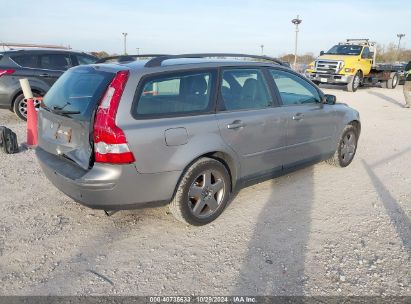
385,53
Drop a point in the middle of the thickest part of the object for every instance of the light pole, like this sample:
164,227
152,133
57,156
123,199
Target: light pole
125,43
138,51
400,36
296,21
262,49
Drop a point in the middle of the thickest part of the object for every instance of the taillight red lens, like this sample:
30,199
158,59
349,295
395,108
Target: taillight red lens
110,143
6,72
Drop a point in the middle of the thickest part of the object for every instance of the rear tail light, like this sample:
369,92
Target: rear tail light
6,72
110,143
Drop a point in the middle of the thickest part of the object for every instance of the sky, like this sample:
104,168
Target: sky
183,26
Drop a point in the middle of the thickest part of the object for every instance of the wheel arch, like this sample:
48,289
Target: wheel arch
224,158
19,92
357,125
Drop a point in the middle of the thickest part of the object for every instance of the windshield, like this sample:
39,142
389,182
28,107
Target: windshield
77,91
345,50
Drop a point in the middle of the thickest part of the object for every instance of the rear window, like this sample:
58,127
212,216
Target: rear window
79,90
175,94
55,62
26,61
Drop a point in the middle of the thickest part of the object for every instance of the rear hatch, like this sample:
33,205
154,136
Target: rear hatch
65,121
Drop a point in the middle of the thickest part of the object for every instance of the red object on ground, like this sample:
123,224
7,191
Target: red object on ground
31,124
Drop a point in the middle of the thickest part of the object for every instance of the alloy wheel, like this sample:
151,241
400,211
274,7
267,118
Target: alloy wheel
348,147
206,193
22,106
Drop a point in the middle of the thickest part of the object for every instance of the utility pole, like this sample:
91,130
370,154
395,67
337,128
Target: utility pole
296,22
400,36
125,43
262,49
138,51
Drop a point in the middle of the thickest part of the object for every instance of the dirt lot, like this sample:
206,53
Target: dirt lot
319,231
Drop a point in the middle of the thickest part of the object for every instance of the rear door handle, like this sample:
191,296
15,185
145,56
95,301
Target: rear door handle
236,124
298,116
44,75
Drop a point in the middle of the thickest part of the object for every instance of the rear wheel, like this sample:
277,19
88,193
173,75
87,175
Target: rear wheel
347,146
202,193
20,106
393,81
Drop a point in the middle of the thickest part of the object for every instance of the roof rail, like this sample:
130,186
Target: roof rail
158,60
126,58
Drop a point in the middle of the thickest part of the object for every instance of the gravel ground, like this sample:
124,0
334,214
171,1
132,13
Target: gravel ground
318,231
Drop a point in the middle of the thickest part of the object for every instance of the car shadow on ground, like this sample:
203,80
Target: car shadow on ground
387,98
275,261
398,217
274,264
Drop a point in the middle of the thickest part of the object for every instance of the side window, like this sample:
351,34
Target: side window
55,62
26,61
244,89
293,89
366,53
175,94
85,60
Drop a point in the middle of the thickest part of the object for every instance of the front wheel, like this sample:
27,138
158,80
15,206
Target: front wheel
354,83
202,193
347,146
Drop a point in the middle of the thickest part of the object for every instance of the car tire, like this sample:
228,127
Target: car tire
20,106
355,82
202,193
346,148
393,81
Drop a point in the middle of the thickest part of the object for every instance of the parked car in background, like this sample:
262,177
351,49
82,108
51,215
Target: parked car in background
185,130
42,67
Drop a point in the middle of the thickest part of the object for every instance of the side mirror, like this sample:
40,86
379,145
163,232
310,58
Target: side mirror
371,55
321,53
329,99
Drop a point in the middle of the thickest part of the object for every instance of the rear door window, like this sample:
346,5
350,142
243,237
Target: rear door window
26,61
59,62
175,94
78,89
243,89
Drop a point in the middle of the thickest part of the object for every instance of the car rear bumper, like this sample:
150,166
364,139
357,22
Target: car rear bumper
329,78
108,187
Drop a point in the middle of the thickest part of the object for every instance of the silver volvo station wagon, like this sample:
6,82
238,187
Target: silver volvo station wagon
185,130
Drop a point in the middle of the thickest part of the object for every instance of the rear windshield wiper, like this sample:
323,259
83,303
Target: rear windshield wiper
64,112
59,110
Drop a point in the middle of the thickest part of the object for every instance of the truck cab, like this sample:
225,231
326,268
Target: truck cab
351,63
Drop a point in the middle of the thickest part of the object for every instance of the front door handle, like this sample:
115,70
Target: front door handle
236,124
298,116
44,75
